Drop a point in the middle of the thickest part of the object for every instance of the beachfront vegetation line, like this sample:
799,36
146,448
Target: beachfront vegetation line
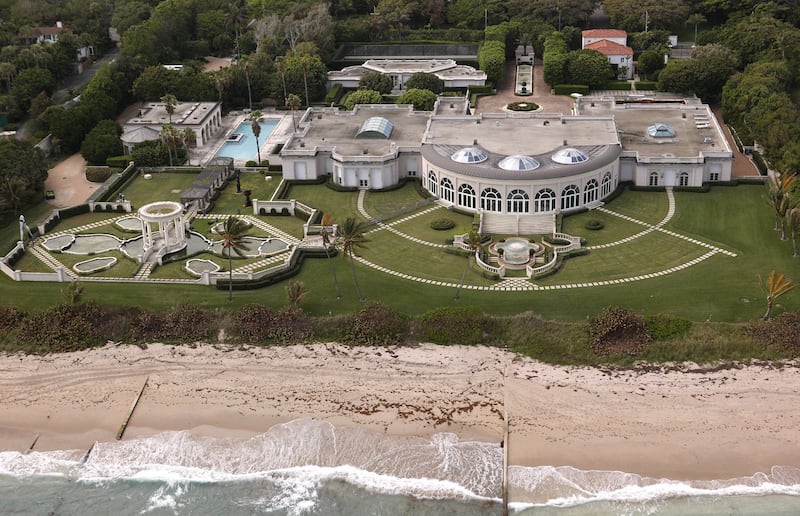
616,336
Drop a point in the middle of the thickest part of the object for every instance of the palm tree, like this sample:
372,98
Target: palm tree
245,62
779,198
255,119
189,137
327,232
170,136
793,222
170,101
473,241
236,17
233,232
350,237
222,78
775,286
696,19
296,291
293,101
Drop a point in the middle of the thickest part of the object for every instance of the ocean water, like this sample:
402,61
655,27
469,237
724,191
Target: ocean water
311,467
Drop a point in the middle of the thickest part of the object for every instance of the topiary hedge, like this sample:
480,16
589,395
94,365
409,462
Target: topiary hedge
594,225
98,174
443,224
523,106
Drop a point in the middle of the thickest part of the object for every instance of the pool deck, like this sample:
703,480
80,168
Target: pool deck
230,122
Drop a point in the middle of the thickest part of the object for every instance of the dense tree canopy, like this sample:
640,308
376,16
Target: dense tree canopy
422,100
102,142
376,81
645,15
362,97
425,81
22,175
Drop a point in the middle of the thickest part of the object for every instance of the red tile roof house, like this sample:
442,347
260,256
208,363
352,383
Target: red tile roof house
613,44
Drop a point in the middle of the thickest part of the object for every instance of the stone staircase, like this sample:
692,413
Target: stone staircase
521,224
144,271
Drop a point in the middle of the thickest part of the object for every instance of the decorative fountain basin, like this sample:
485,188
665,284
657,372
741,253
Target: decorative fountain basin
517,251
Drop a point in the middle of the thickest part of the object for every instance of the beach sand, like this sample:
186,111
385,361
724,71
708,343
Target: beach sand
687,424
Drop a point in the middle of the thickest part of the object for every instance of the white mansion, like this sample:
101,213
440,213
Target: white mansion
513,163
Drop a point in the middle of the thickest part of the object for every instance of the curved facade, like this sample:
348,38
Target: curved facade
495,187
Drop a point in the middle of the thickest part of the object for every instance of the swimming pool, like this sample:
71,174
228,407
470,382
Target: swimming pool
244,147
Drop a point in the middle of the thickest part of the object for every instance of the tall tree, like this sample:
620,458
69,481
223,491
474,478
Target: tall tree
327,232
349,238
236,17
234,231
779,189
293,101
170,102
775,286
22,174
255,125
171,137
695,19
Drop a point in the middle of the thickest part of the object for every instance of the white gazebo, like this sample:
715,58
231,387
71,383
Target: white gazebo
163,230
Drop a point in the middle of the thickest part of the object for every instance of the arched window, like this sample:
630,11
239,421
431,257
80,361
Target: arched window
544,201
653,179
466,196
683,179
590,192
518,202
605,187
491,200
570,197
432,183
448,193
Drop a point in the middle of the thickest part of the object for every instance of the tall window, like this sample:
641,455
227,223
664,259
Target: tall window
605,187
491,200
448,194
653,179
518,202
713,176
432,184
466,196
570,197
683,179
590,192
544,201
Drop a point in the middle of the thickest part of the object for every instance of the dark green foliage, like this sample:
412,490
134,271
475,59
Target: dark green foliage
566,89
376,81
555,59
22,175
666,327
617,85
376,325
618,331
102,142
588,67
492,59
425,81
422,100
646,85
98,174
456,325
783,330
150,154
361,97
71,211
29,83
443,224
594,224
118,161
523,106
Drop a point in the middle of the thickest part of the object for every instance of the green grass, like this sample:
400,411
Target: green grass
339,204
615,228
231,202
382,203
420,226
163,186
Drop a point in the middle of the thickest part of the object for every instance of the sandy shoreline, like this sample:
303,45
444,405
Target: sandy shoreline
680,425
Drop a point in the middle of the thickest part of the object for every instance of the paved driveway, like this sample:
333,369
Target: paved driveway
541,94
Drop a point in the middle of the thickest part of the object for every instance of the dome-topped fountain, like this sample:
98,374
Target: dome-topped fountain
163,229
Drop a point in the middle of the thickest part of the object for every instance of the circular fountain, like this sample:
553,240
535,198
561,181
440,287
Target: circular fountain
516,252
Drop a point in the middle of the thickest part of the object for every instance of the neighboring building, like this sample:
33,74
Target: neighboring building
612,43
513,164
204,118
41,35
453,74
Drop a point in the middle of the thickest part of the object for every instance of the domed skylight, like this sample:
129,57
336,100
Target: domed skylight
518,162
659,130
469,155
569,156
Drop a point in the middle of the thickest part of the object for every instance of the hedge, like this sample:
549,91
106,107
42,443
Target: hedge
333,96
118,161
758,159
492,60
618,85
566,89
646,85
73,210
98,174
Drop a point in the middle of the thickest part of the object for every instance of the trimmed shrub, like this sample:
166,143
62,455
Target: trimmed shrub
523,106
594,225
646,85
666,327
376,325
118,161
566,89
492,59
618,331
98,174
250,163
443,224
617,85
78,209
457,325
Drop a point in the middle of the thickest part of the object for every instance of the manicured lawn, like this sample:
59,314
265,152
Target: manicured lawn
614,229
163,186
420,226
339,204
650,207
287,224
383,203
231,202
